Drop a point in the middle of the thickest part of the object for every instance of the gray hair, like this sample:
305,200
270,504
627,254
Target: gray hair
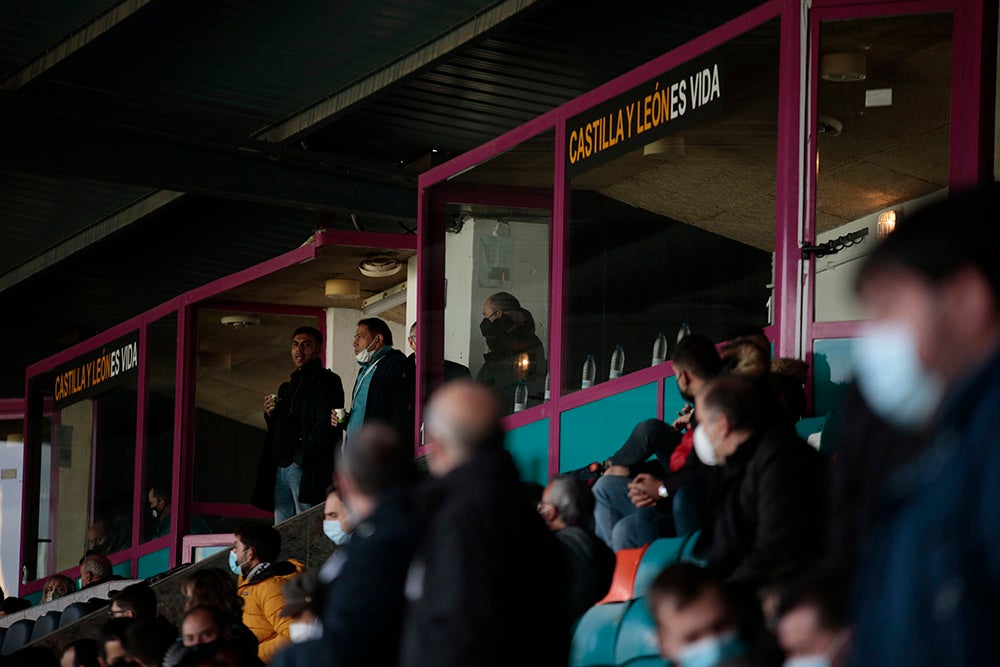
505,301
573,500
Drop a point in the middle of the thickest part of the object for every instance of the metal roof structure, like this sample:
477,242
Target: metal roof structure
152,146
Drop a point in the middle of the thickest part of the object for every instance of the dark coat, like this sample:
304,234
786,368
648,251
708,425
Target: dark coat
300,431
930,582
498,369
487,587
768,504
591,566
391,395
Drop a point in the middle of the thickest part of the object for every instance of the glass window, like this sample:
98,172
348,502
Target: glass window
82,456
883,124
159,455
11,479
498,279
672,220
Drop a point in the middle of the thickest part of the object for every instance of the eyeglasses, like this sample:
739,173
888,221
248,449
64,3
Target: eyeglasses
492,315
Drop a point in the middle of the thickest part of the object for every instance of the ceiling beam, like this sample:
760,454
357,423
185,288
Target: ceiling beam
97,232
325,110
74,42
36,145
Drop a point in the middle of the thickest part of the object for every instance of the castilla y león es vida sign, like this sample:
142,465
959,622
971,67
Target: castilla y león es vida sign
660,107
96,371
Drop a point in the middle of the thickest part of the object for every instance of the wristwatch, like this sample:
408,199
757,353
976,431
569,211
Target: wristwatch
662,491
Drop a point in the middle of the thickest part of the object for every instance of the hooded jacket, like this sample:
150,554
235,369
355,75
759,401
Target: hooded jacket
262,604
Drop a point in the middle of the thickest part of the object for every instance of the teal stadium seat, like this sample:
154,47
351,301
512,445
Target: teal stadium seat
596,634
661,553
637,635
687,551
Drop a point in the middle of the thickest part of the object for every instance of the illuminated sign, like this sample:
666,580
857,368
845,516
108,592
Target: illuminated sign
96,371
651,111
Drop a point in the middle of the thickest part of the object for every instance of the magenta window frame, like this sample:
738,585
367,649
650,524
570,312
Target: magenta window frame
974,25
184,307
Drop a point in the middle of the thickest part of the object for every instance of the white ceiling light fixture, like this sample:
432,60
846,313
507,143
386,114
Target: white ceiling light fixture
342,288
379,265
383,301
843,67
240,321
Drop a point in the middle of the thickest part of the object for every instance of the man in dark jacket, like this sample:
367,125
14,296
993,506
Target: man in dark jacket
487,586
930,581
384,390
297,462
567,507
515,351
768,502
363,605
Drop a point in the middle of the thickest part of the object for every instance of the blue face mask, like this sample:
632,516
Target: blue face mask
711,651
234,565
334,531
892,380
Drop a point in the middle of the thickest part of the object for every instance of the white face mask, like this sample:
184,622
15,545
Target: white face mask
365,355
808,661
703,448
304,631
335,532
891,378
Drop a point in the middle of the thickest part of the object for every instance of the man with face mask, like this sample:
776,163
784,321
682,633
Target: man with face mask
813,627
767,504
254,559
635,497
515,352
384,389
296,463
930,582
362,603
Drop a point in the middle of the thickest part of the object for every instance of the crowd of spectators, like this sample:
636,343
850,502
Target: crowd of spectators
887,556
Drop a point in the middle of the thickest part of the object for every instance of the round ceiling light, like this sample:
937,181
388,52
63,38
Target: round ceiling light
843,67
240,321
379,266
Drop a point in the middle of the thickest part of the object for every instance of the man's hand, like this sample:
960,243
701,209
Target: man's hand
683,420
643,490
617,471
270,404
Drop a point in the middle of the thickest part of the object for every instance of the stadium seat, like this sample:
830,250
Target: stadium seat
78,610
626,564
46,624
636,634
687,551
656,661
595,636
18,635
661,553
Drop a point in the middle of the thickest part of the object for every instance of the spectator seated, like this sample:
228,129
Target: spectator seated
623,583
46,624
18,635
596,635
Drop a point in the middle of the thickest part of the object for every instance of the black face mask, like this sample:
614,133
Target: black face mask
495,330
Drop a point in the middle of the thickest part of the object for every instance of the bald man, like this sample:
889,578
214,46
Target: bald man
489,580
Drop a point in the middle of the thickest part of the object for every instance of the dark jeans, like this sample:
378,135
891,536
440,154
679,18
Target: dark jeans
621,524
649,438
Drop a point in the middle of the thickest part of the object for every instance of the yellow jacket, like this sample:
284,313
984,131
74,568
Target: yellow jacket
262,603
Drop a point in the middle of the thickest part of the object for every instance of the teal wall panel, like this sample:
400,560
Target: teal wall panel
529,445
672,401
832,370
123,569
36,597
594,431
154,563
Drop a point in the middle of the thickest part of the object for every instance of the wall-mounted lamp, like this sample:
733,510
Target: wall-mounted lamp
342,289
886,223
522,364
